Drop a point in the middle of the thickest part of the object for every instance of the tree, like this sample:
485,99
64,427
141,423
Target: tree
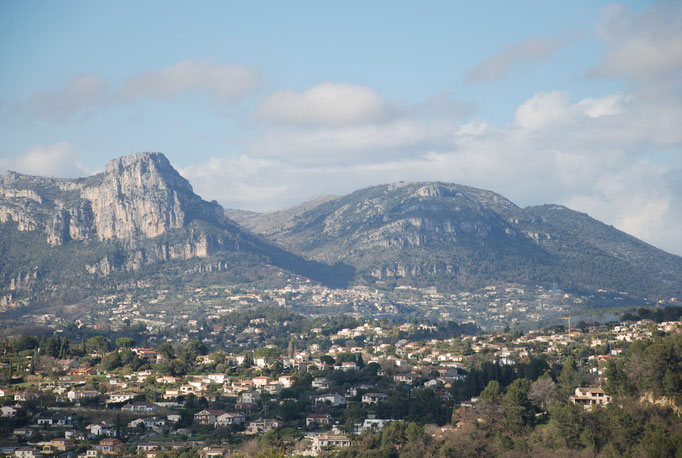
543,392
567,421
517,408
165,349
491,393
65,348
111,361
569,379
97,345
125,342
25,343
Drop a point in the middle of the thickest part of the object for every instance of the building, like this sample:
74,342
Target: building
208,417
326,440
230,418
262,426
590,397
108,446
141,407
317,419
334,399
374,398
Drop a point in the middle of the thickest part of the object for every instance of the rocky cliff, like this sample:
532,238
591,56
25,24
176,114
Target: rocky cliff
455,236
140,211
137,197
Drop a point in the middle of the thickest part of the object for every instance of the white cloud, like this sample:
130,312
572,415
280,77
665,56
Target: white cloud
59,160
592,155
644,46
542,109
222,81
326,103
351,144
529,51
77,94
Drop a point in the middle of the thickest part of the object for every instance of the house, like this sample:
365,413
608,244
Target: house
145,353
262,426
148,423
324,441
73,395
260,362
60,444
23,432
114,398
108,446
28,452
167,379
404,378
590,397
214,378
374,398
83,371
211,452
208,417
23,396
249,396
230,418
8,411
347,366
141,406
172,394
102,429
320,383
261,381
334,399
373,423
272,388
317,419
287,381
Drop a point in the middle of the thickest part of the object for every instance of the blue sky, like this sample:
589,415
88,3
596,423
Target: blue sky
267,104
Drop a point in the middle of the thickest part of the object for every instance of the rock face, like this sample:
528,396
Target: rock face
137,197
453,236
140,211
143,195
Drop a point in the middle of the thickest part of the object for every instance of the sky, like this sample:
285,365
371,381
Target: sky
264,105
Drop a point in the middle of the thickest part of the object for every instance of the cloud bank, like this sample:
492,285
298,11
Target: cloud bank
529,51
223,84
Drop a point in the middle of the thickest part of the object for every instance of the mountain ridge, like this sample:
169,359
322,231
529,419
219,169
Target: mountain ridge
63,239
139,212
406,230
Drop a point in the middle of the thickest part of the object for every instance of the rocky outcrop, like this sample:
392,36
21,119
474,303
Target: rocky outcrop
136,198
455,236
144,196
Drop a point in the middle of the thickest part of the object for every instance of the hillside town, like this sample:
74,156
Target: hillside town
81,390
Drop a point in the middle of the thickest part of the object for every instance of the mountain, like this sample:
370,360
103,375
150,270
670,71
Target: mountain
452,236
139,220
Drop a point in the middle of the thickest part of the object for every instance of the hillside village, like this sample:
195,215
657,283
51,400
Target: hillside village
316,391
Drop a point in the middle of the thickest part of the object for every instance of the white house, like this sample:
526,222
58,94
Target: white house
230,418
590,397
334,399
374,398
323,441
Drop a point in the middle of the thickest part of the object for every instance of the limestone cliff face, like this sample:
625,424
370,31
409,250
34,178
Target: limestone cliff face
143,195
136,198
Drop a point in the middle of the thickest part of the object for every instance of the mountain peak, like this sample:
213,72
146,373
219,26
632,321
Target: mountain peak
132,159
